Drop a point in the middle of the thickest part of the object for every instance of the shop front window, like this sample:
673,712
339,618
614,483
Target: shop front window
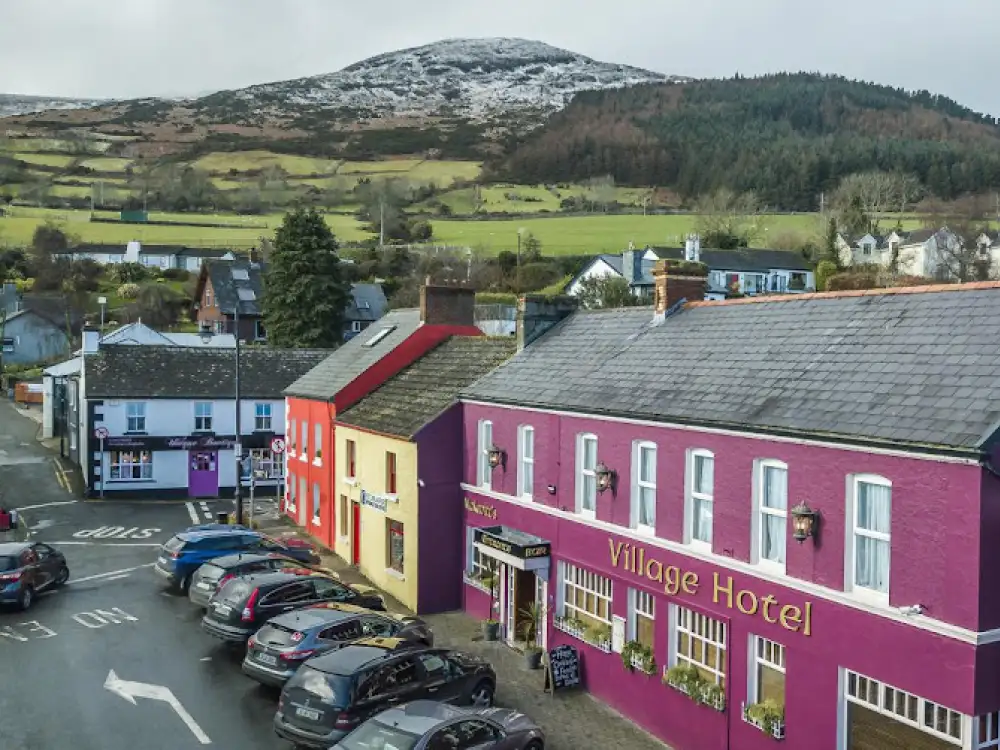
130,466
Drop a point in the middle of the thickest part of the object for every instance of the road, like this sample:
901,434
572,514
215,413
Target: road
113,616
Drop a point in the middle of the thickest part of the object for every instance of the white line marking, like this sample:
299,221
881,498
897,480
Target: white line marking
111,573
78,543
192,513
132,690
47,505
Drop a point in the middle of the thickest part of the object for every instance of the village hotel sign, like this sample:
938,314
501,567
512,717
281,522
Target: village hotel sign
678,581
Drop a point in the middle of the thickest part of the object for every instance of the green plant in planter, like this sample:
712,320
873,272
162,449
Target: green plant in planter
635,651
689,680
598,633
768,714
532,615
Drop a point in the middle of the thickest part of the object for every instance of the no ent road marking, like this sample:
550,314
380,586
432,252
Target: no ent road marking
33,630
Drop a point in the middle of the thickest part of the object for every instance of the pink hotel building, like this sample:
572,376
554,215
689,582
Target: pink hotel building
761,521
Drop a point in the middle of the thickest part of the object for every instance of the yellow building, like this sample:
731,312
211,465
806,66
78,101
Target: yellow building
398,471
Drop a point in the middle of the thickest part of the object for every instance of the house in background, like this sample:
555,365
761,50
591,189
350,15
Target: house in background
674,485
399,470
746,271
170,415
30,337
925,252
153,256
222,286
367,304
140,334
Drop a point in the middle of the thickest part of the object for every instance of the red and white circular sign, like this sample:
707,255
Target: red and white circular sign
101,432
277,445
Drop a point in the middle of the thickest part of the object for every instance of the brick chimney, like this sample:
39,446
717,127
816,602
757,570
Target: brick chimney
676,281
537,313
447,305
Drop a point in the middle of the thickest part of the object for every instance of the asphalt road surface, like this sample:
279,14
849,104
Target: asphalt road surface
172,686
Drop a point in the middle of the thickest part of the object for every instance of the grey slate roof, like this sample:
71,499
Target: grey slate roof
908,369
147,372
324,381
425,389
367,303
746,259
226,288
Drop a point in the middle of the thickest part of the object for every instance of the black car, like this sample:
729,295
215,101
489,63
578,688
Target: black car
330,695
212,576
286,641
429,725
244,604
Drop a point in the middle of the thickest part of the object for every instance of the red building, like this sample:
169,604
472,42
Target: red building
344,378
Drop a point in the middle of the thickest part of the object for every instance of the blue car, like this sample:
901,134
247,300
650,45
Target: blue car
28,568
183,554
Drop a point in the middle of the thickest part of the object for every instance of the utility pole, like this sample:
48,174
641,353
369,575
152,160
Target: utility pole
822,204
239,434
381,223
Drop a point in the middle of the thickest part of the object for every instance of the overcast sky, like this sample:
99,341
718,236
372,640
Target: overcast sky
133,48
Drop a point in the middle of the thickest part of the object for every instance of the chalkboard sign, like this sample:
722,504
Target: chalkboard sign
563,668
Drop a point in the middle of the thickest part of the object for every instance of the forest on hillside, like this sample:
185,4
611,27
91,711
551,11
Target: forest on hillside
787,137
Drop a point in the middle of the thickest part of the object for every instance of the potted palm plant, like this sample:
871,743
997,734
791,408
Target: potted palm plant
491,630
532,654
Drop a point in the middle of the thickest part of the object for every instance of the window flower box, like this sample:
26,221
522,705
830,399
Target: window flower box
482,584
638,658
598,637
767,716
686,679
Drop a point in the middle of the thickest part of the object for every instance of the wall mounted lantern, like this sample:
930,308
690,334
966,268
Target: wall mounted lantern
497,456
605,477
804,522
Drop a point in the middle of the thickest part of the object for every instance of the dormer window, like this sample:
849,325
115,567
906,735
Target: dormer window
866,249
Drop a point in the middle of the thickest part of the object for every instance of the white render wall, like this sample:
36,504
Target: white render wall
173,417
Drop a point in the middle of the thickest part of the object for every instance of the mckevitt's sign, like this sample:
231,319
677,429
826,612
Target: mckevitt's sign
522,551
486,511
676,581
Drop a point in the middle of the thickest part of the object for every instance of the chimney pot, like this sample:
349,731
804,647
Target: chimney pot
447,305
674,282
91,340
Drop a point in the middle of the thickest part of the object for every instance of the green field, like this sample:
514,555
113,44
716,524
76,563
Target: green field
106,164
48,160
248,161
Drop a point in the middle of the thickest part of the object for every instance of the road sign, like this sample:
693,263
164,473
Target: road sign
277,445
101,432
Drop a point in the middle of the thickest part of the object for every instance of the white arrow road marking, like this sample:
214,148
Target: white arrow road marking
132,690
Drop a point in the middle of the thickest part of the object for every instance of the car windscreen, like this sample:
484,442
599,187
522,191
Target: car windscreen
235,592
332,689
8,562
211,572
374,735
175,544
277,635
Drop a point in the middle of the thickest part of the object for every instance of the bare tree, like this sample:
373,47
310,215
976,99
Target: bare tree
601,191
958,256
728,220
876,193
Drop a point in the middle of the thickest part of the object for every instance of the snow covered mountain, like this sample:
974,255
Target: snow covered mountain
476,79
15,104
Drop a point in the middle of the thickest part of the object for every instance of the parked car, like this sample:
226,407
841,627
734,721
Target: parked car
185,552
27,569
211,576
286,641
430,725
243,605
331,695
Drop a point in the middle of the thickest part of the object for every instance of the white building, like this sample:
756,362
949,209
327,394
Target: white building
152,256
168,418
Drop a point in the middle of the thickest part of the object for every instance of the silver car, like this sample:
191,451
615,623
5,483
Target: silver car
429,725
208,579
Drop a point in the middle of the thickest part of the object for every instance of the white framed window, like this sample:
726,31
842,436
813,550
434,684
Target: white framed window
641,617
263,460
202,416
485,440
318,440
525,461
917,712
292,436
699,641
869,510
643,513
586,475
770,517
262,417
291,485
316,505
699,507
304,437
767,672
131,466
135,416
585,595
988,731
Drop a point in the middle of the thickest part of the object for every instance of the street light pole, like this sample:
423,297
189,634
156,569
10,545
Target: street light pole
239,433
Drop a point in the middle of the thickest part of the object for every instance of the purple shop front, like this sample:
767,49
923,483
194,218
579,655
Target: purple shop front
849,668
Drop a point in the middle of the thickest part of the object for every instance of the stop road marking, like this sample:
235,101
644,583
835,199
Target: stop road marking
116,532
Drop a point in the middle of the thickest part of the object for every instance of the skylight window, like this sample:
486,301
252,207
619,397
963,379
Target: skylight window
241,274
247,295
379,335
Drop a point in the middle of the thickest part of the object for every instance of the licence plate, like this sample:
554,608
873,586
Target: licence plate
307,713
267,659
223,609
202,585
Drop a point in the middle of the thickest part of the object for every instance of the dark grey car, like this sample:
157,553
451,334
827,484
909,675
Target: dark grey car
213,575
429,725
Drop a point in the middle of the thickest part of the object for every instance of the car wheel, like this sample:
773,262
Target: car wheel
482,695
535,745
63,576
27,598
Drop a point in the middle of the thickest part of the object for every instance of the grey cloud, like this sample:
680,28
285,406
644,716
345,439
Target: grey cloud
131,48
